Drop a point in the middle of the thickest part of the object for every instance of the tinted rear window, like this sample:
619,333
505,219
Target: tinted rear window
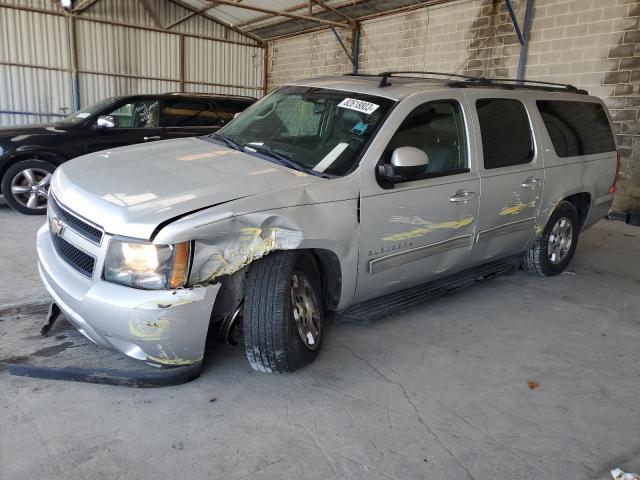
505,132
577,128
185,113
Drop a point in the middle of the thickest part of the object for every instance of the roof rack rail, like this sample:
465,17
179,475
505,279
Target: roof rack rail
385,76
513,83
470,81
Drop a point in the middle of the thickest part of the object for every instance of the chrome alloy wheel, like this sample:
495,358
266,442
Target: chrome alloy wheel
560,240
30,187
306,313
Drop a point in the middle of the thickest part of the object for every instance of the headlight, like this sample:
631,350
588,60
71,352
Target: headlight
147,266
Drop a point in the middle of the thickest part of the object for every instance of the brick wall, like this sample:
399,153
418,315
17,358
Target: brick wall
594,44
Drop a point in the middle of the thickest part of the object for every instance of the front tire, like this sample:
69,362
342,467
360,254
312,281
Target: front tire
25,186
553,251
283,312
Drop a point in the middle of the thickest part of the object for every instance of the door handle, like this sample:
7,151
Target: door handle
531,183
157,137
462,196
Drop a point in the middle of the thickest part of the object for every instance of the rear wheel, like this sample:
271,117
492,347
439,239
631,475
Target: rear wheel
283,312
553,251
25,186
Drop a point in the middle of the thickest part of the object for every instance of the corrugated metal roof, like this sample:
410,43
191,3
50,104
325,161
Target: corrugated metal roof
235,15
267,26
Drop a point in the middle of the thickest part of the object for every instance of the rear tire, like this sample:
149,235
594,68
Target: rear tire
25,186
554,249
283,312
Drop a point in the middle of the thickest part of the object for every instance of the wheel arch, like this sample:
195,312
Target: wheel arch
53,156
330,276
582,202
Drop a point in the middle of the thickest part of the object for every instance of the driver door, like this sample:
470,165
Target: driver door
418,230
136,121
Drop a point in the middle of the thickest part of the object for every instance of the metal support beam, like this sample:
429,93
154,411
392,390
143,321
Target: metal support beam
73,54
203,13
355,49
280,13
514,20
186,17
181,63
300,6
83,5
265,69
522,60
334,10
344,47
151,12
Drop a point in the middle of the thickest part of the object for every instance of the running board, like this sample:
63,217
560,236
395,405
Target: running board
380,307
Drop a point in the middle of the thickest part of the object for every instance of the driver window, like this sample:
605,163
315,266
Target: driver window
140,114
436,128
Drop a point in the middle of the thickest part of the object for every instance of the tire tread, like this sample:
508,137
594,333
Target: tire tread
267,323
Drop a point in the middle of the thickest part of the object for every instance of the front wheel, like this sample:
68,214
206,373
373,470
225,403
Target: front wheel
25,186
553,251
283,312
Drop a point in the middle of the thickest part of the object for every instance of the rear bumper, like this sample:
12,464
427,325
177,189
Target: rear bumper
161,327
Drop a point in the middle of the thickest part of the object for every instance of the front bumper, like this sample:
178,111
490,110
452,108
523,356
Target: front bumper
161,327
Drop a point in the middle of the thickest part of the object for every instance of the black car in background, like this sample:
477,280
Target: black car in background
29,154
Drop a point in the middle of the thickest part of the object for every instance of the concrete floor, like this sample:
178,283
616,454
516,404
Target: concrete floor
438,392
19,280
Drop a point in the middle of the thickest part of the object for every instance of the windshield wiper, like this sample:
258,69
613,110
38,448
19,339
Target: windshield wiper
227,140
278,155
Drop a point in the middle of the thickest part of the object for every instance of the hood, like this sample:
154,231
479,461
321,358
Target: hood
129,191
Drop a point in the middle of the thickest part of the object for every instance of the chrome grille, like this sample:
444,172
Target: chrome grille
76,258
84,228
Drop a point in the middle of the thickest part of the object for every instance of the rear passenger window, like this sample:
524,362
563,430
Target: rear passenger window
436,128
576,128
229,108
505,132
191,114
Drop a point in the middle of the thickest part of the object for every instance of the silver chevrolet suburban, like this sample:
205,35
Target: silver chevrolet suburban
352,194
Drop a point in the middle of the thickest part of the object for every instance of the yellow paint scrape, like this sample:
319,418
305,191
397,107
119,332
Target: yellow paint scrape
425,227
518,207
148,330
174,362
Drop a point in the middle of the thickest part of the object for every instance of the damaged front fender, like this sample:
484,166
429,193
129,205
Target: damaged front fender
239,245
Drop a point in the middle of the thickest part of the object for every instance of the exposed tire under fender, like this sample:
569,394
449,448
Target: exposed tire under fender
283,312
554,249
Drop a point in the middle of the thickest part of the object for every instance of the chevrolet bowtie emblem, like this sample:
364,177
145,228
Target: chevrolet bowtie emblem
56,226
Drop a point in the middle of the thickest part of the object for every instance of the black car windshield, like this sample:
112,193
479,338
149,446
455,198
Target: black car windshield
316,130
81,115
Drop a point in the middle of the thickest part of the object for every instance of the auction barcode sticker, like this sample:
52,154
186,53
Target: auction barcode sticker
358,105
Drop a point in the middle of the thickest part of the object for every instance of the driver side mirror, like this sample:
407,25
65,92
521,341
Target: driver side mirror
407,163
105,121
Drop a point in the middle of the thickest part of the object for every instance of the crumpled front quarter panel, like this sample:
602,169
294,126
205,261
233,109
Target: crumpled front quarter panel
316,216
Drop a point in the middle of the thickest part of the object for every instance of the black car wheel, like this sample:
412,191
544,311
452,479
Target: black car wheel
283,312
25,186
553,251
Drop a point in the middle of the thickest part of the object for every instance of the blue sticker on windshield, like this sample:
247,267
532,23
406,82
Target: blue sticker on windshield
359,128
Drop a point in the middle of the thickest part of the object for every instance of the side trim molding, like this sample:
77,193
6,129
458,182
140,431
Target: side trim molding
506,229
400,258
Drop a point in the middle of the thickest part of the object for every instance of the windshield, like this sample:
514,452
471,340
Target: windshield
320,131
81,115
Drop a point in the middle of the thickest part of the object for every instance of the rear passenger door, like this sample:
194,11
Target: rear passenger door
191,118
511,175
